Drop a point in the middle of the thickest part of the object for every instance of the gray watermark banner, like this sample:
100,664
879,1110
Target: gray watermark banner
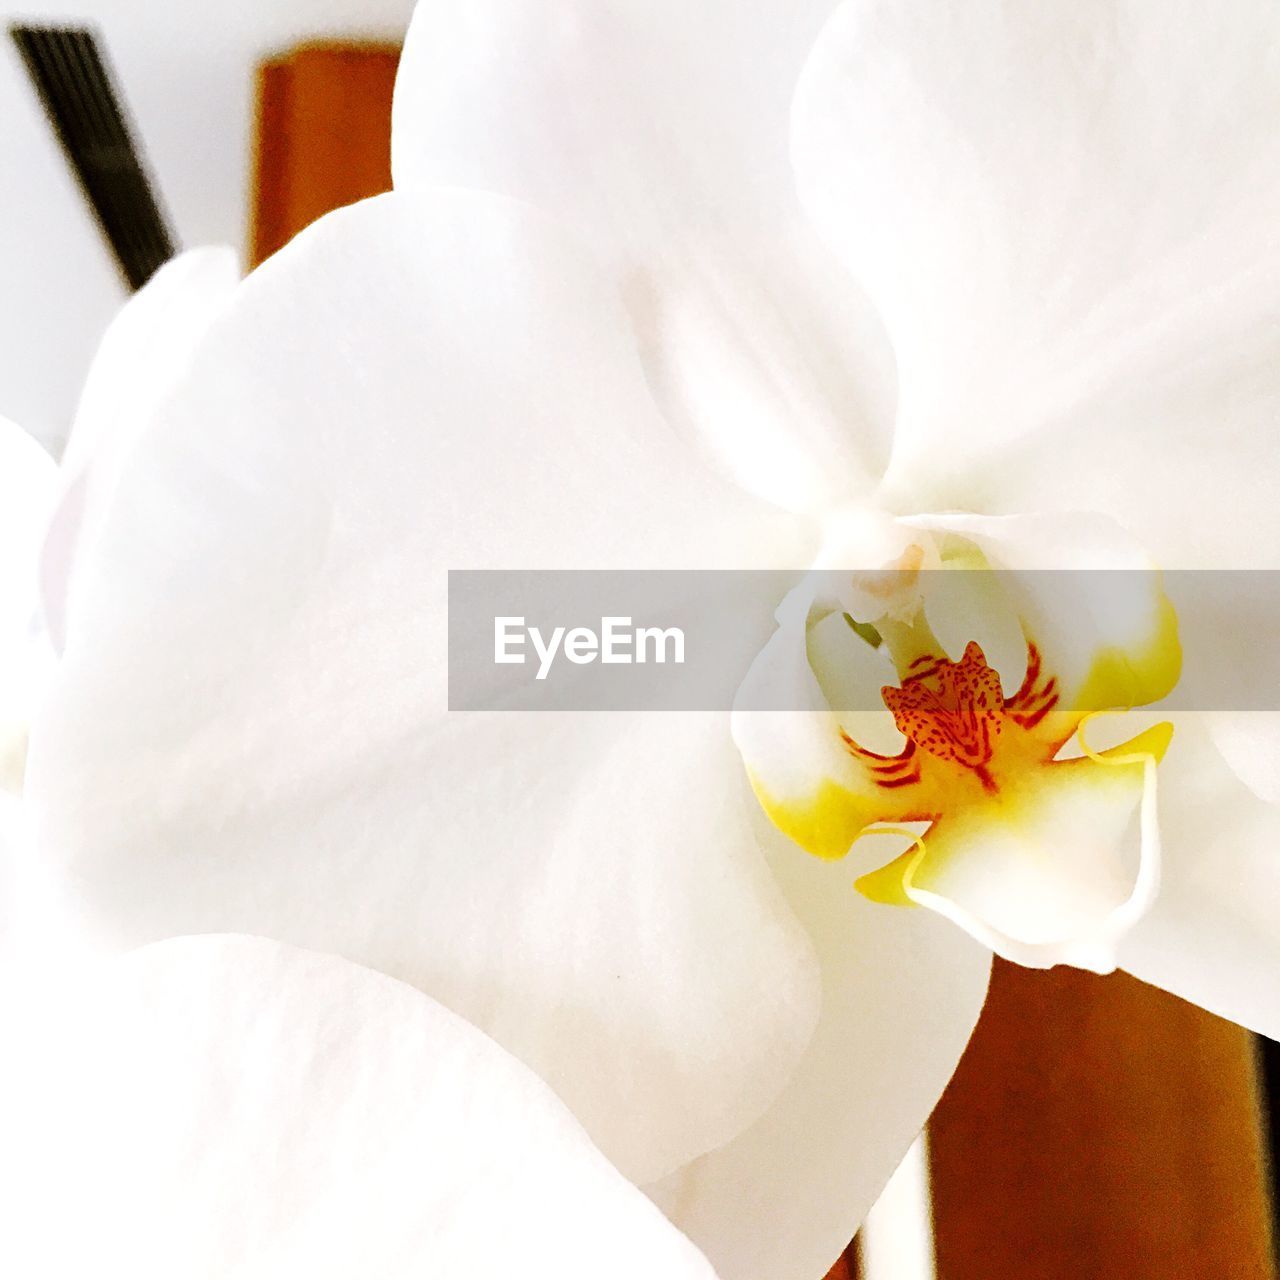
650,640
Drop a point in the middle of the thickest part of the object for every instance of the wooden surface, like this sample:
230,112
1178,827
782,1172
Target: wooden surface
323,136
846,1268
1100,1129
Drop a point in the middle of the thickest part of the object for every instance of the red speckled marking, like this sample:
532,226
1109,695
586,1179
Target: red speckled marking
1036,697
955,712
888,771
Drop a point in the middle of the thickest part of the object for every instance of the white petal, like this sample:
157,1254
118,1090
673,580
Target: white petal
661,132
252,731
1086,593
901,992
1250,743
1054,874
1211,936
235,1108
147,346
27,476
27,481
1134,444
897,1238
1228,622
1206,648
802,766
1036,195
10,912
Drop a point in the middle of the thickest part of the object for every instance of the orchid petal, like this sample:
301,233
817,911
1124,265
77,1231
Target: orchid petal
153,333
1211,937
27,475
1227,621
803,758
414,386
1040,198
899,987
10,911
27,481
663,138
1134,445
1087,597
1250,743
143,351
1048,875
235,1108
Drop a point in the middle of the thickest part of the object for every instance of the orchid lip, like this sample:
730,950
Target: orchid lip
1014,835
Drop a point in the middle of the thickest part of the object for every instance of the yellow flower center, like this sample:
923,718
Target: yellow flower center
1037,848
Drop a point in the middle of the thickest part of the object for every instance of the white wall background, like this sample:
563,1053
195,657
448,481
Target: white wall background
186,68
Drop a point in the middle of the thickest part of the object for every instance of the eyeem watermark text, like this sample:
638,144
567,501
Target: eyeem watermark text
571,640
617,641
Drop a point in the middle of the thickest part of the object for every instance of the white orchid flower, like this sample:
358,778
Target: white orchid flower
224,1107
249,731
1071,247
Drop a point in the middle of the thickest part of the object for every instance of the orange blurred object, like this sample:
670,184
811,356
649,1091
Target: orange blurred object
323,138
1101,1129
847,1267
